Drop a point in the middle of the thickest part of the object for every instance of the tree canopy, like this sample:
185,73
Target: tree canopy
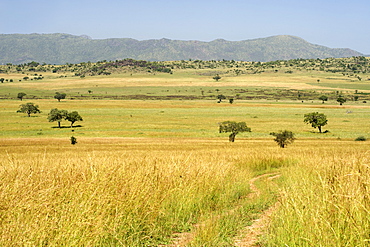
283,138
21,95
29,108
73,117
234,128
341,100
323,98
317,120
59,96
57,115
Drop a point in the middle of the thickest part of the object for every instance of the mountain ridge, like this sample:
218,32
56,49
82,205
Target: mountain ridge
60,48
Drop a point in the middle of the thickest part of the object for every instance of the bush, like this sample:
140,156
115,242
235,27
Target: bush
73,140
361,138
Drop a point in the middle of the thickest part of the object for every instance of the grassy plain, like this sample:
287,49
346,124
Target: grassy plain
144,169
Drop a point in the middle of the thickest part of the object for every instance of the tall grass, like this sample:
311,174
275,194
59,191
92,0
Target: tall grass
325,202
135,192
62,196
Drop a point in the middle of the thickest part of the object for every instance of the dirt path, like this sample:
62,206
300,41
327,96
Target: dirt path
250,234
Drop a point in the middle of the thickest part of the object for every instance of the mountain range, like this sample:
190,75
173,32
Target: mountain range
59,48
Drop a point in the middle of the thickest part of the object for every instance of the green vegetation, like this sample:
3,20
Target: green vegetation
21,95
234,128
73,117
361,138
283,138
57,115
150,161
317,120
341,100
29,108
59,96
73,140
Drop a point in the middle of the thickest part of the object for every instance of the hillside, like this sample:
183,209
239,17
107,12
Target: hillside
65,48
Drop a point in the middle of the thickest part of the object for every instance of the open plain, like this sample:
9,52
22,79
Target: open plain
150,163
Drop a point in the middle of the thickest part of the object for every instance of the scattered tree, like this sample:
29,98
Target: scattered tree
217,77
29,108
220,97
231,100
317,120
73,117
283,138
59,96
57,115
341,100
323,98
21,95
234,128
2,80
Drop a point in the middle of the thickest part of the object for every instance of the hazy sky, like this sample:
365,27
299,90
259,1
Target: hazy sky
332,23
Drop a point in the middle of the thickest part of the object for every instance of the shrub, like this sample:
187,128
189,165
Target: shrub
360,138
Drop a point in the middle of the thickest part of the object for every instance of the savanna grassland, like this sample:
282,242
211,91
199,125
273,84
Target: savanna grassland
150,163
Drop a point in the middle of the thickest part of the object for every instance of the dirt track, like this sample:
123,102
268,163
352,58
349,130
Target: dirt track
248,237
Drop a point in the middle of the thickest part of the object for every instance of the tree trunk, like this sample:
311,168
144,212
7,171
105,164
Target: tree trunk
232,137
59,124
319,127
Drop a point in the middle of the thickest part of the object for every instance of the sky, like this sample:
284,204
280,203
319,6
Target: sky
332,23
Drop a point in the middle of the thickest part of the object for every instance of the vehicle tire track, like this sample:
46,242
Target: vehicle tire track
253,232
250,234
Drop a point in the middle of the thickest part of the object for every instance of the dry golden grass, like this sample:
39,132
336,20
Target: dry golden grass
139,191
187,78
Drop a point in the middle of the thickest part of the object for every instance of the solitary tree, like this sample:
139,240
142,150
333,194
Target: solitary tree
21,95
220,97
29,108
57,115
217,77
59,96
234,128
317,120
323,98
73,117
341,100
283,138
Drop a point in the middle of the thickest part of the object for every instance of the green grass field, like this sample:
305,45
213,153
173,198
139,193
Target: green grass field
149,161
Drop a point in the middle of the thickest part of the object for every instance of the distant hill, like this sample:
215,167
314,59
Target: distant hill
65,48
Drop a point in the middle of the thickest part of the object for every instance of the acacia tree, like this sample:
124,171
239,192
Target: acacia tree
317,120
220,97
21,95
341,100
323,98
217,77
29,108
59,96
57,115
283,138
73,117
234,128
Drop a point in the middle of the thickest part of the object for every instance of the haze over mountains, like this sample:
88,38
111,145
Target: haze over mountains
60,48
